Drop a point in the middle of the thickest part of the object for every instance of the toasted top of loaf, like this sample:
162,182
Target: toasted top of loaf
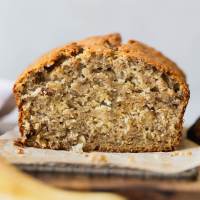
106,45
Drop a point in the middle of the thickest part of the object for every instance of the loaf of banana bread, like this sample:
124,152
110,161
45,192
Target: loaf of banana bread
103,95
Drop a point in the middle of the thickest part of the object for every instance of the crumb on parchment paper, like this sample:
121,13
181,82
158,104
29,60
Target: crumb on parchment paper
20,150
98,158
131,159
181,153
189,153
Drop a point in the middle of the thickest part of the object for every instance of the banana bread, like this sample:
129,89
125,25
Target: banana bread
104,95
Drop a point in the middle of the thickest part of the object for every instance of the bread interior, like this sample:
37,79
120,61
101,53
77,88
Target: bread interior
102,103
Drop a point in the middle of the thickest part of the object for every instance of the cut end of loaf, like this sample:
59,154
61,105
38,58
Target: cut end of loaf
111,102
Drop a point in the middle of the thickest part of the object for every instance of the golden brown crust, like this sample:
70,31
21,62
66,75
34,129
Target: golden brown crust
104,45
111,40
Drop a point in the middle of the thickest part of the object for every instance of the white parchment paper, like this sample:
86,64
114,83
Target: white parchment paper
187,157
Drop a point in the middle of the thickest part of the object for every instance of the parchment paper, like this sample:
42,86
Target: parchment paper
187,157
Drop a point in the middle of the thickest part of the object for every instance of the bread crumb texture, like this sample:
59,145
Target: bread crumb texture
101,95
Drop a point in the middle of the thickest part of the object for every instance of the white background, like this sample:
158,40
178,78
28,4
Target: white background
28,28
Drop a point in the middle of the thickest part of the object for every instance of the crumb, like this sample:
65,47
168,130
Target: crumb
18,142
20,151
175,153
189,153
131,159
98,159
